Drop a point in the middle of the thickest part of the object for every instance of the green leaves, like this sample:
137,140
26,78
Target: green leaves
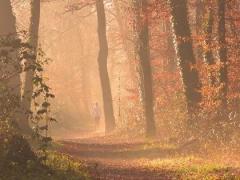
41,111
53,119
50,95
45,104
47,139
21,57
37,80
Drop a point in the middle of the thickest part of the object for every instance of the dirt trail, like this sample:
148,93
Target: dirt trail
108,159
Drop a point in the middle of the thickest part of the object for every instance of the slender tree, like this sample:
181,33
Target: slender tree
199,16
199,22
145,70
222,52
102,63
7,19
185,55
33,41
208,51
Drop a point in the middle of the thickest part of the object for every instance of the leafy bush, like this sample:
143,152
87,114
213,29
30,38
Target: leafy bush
17,158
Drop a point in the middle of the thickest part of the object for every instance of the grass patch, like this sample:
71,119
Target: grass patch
192,168
56,167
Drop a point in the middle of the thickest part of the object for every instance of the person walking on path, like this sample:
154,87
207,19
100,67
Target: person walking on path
96,111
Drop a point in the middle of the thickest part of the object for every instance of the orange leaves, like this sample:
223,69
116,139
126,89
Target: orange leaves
210,97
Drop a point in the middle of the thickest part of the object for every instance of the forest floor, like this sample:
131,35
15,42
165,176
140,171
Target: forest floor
113,158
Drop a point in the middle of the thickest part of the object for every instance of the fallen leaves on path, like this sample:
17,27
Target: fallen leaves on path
143,160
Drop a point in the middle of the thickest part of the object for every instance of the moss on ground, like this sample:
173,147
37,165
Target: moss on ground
191,167
57,166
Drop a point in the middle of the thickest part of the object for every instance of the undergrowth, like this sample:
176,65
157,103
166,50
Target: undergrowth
56,167
191,167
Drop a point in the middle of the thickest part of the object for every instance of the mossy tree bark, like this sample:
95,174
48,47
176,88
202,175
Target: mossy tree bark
28,83
185,55
11,68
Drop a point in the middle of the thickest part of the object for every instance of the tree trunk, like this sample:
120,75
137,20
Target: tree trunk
145,70
208,52
8,28
185,55
198,26
222,53
33,41
102,63
7,19
11,68
199,16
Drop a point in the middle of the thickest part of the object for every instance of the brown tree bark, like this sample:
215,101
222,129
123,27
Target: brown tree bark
8,28
11,68
28,83
145,69
103,71
208,51
7,19
199,16
185,55
222,52
199,21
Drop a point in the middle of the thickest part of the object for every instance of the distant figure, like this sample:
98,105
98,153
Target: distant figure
96,112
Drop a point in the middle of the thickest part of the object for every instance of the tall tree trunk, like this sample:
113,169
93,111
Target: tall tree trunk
185,55
33,41
145,70
199,16
7,19
8,27
208,52
102,63
222,52
198,26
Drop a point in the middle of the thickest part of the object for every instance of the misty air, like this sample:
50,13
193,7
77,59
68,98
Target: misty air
119,89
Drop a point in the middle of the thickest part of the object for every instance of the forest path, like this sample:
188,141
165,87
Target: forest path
110,159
